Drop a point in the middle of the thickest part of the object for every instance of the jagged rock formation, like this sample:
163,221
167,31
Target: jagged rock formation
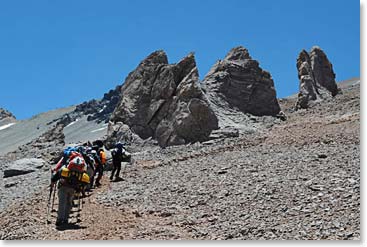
237,85
6,114
165,101
100,110
316,76
239,82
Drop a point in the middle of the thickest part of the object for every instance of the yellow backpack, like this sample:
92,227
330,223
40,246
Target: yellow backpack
75,178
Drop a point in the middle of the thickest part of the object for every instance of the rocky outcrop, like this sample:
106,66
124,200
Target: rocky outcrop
99,110
316,77
4,114
238,83
164,101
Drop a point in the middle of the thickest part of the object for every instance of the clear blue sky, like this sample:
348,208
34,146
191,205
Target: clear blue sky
59,53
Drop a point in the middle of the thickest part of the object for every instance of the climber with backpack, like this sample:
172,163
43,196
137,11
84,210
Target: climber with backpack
72,179
100,166
119,154
97,165
68,154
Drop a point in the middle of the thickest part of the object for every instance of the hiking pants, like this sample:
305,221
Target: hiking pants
65,201
90,173
99,170
117,169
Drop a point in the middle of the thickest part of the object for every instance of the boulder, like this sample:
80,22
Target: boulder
23,166
238,83
164,101
316,78
120,132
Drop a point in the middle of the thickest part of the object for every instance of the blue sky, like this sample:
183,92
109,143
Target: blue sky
59,53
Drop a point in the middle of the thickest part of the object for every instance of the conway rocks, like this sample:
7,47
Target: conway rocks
237,88
316,77
168,103
164,101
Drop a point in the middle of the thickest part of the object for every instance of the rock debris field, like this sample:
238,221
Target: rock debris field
299,179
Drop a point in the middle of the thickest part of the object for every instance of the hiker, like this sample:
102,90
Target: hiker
119,154
68,154
100,166
72,179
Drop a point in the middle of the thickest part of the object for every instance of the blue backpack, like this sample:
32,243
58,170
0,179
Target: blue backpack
66,153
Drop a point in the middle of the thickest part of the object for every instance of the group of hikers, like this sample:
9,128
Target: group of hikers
79,170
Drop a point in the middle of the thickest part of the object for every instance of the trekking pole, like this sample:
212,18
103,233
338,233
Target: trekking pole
78,215
53,199
48,204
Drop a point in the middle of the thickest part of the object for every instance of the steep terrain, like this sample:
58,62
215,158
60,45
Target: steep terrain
296,179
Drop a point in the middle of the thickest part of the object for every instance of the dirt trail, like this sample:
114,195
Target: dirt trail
98,221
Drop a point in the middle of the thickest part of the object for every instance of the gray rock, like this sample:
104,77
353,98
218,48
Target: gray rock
316,76
226,132
120,132
238,83
164,101
23,166
6,114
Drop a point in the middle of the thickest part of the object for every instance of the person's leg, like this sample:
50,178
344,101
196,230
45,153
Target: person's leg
113,170
100,173
69,197
62,210
118,170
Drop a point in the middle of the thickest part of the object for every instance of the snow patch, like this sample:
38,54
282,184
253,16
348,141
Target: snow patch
98,129
6,126
72,123
102,109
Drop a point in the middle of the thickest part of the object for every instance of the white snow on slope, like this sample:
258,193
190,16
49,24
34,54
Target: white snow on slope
6,126
98,129
72,123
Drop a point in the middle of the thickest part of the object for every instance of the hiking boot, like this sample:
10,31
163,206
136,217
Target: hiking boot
117,179
61,222
111,178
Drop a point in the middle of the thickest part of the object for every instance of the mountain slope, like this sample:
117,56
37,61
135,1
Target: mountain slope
299,179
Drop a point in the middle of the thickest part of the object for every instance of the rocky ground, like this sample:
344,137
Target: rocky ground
299,179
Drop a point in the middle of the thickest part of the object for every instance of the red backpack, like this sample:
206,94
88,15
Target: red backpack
77,164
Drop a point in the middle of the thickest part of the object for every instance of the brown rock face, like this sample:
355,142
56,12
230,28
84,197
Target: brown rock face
316,76
238,82
164,101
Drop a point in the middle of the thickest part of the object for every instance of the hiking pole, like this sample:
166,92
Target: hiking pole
48,204
78,215
53,199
